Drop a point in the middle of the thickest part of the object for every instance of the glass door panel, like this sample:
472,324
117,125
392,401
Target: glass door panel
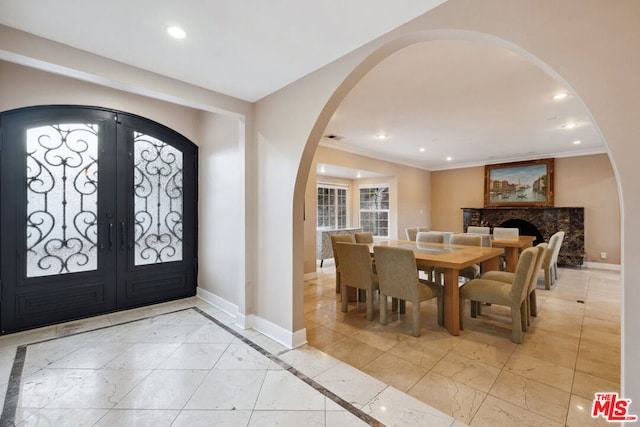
158,199
61,199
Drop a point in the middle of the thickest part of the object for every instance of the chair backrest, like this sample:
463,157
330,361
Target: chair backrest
556,249
523,273
478,230
466,239
366,237
423,229
555,241
542,248
486,239
355,265
335,238
430,237
505,232
411,233
397,272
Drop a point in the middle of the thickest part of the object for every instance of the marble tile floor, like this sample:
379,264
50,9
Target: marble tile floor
481,378
185,363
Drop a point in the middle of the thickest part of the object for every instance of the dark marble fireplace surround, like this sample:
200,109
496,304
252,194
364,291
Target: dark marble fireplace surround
541,222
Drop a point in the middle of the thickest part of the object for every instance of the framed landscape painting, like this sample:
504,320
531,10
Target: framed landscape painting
528,183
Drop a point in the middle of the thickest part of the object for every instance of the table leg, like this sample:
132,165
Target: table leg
492,264
511,259
451,296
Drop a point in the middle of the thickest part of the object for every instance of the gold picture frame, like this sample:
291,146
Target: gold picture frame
528,183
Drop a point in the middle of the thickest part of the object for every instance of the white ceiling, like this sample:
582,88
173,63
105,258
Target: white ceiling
246,49
335,171
476,103
470,101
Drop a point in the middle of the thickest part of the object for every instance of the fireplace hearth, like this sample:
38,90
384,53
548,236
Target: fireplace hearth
541,222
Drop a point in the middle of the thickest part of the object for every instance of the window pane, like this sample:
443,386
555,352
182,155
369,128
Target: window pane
374,210
157,201
62,199
332,207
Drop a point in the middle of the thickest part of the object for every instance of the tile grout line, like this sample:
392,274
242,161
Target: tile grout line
13,388
315,385
575,365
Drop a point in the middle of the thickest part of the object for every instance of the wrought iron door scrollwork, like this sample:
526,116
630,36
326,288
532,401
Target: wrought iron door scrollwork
158,201
61,198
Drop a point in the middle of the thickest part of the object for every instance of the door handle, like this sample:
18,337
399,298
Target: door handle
110,236
122,237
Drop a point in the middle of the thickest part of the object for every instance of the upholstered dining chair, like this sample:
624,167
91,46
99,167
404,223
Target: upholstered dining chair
398,277
508,277
423,229
473,270
511,295
411,233
364,237
335,238
357,272
486,239
478,230
429,237
505,232
550,262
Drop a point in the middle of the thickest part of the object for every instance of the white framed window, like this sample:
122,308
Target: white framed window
333,207
374,209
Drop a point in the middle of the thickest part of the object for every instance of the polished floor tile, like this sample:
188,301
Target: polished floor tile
570,352
188,367
186,363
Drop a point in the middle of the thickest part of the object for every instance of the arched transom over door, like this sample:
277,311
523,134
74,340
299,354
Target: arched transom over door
98,214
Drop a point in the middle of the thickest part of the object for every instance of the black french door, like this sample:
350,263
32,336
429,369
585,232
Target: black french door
98,213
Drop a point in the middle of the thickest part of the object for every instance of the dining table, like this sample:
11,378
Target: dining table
512,247
451,259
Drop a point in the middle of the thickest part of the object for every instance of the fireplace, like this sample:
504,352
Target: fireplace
541,222
526,229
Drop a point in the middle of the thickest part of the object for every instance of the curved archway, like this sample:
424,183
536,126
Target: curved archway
351,81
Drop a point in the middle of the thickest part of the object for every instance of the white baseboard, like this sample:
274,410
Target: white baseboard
222,304
281,335
311,276
251,321
602,266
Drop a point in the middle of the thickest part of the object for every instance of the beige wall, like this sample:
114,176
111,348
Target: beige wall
585,181
221,165
24,87
410,195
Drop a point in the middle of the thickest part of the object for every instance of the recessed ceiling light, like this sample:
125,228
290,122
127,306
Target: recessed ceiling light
577,142
569,125
560,95
449,158
381,136
176,32
421,149
358,175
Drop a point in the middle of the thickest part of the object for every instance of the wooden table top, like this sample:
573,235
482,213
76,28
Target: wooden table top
520,242
443,255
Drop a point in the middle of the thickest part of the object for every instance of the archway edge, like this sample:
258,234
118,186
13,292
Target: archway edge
585,69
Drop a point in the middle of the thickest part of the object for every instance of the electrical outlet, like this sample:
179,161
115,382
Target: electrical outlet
603,255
